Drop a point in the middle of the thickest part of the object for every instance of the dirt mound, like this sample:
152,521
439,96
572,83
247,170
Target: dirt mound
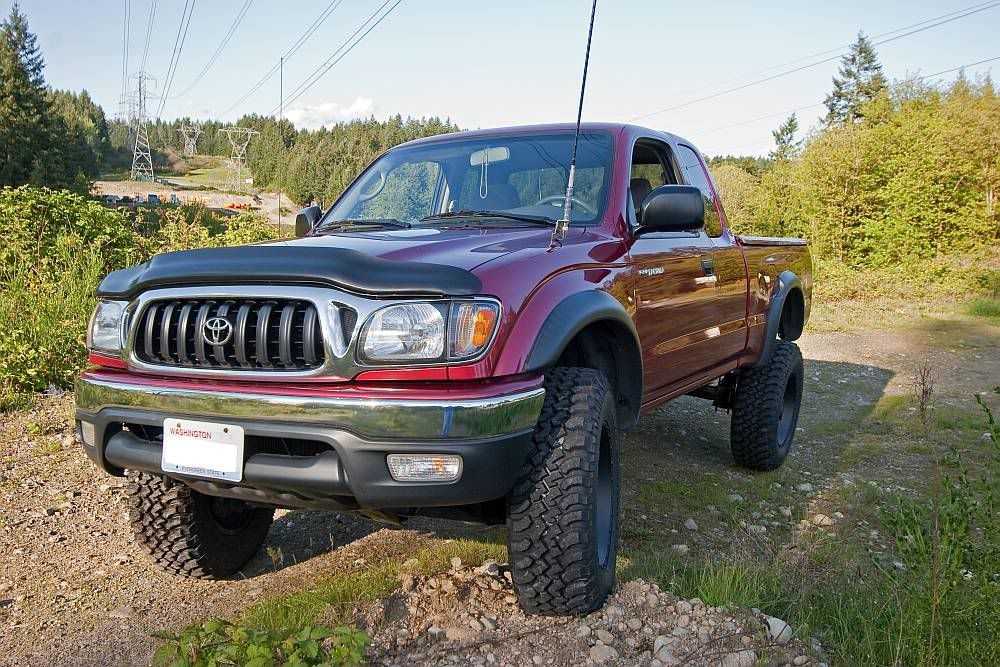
470,616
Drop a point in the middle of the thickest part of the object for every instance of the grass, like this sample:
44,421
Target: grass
986,308
333,599
207,175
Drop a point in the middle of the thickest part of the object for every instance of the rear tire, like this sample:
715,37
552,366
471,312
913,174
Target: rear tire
766,409
563,512
188,533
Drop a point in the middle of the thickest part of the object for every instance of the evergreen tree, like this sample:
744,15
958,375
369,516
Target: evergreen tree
784,139
24,134
859,82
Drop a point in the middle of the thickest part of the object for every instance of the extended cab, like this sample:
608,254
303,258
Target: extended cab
430,345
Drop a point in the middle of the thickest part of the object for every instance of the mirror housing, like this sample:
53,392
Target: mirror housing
306,219
672,208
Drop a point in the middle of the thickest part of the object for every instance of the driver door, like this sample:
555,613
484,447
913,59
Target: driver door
675,295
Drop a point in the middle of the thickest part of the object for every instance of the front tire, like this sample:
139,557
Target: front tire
766,409
563,512
188,533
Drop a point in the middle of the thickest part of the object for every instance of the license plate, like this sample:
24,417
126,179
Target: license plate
203,449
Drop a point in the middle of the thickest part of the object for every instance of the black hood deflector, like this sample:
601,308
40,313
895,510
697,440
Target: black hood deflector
281,264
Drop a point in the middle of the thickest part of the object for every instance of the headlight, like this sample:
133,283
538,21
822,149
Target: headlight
429,331
105,331
411,331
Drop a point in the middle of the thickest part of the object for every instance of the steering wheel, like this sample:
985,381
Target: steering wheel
552,199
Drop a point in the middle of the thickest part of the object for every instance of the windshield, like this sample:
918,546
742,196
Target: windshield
517,175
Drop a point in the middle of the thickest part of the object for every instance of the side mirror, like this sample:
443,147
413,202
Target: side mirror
672,208
306,219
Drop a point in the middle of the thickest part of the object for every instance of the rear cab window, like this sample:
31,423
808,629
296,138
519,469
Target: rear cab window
696,174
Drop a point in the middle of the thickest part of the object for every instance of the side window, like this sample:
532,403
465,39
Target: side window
694,173
651,168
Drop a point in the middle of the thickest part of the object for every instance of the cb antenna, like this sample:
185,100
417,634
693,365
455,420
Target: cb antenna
562,226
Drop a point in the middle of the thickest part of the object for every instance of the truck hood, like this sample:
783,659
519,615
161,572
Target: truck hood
463,247
429,261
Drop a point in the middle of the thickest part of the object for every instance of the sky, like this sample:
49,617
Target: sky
490,63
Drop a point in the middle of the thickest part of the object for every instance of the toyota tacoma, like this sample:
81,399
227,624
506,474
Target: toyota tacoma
434,344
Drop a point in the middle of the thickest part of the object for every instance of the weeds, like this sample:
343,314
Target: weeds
218,642
57,247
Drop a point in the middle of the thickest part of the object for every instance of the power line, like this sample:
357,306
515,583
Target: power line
325,14
124,92
149,32
320,71
218,51
175,57
837,49
812,64
955,69
810,106
819,104
759,118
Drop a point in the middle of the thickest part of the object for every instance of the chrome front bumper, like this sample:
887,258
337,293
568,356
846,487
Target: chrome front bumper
118,419
377,419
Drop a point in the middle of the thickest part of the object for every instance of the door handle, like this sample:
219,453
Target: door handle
708,266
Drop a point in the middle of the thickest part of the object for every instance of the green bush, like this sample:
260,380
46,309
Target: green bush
43,315
38,223
57,247
218,642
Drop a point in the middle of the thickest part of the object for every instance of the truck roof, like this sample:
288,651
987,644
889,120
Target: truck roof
546,127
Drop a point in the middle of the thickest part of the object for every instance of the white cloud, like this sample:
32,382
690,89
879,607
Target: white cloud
315,116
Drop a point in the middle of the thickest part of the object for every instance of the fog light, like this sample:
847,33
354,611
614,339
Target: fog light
88,433
425,467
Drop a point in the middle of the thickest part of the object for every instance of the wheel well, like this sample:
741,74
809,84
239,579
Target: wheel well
609,347
793,316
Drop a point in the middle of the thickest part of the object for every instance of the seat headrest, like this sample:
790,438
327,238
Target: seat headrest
639,187
499,196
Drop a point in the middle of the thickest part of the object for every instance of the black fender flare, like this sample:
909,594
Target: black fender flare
786,284
574,314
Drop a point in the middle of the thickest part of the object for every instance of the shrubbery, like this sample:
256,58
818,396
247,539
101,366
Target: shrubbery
218,642
56,248
910,186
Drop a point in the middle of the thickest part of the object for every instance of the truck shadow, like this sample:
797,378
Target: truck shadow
298,535
690,431
675,458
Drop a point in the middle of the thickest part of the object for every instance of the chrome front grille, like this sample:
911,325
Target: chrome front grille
266,334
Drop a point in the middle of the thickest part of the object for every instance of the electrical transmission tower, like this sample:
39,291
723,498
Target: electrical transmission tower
191,134
142,159
239,139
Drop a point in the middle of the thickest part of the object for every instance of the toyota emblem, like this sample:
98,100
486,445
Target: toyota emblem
217,331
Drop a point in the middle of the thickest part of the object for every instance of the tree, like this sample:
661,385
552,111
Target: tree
784,139
860,80
24,132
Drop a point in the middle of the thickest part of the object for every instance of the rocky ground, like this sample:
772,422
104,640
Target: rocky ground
75,590
470,616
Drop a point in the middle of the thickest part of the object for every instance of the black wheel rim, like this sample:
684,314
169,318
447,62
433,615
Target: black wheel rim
230,515
789,412
604,502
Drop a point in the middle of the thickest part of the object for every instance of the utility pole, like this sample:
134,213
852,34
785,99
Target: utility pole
239,139
142,159
191,134
281,138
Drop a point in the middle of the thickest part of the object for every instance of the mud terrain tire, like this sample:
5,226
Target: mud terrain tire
188,533
766,409
562,517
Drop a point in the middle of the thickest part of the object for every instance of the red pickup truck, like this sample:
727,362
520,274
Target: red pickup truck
430,346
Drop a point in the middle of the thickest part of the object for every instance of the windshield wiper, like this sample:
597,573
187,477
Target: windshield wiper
380,222
537,219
